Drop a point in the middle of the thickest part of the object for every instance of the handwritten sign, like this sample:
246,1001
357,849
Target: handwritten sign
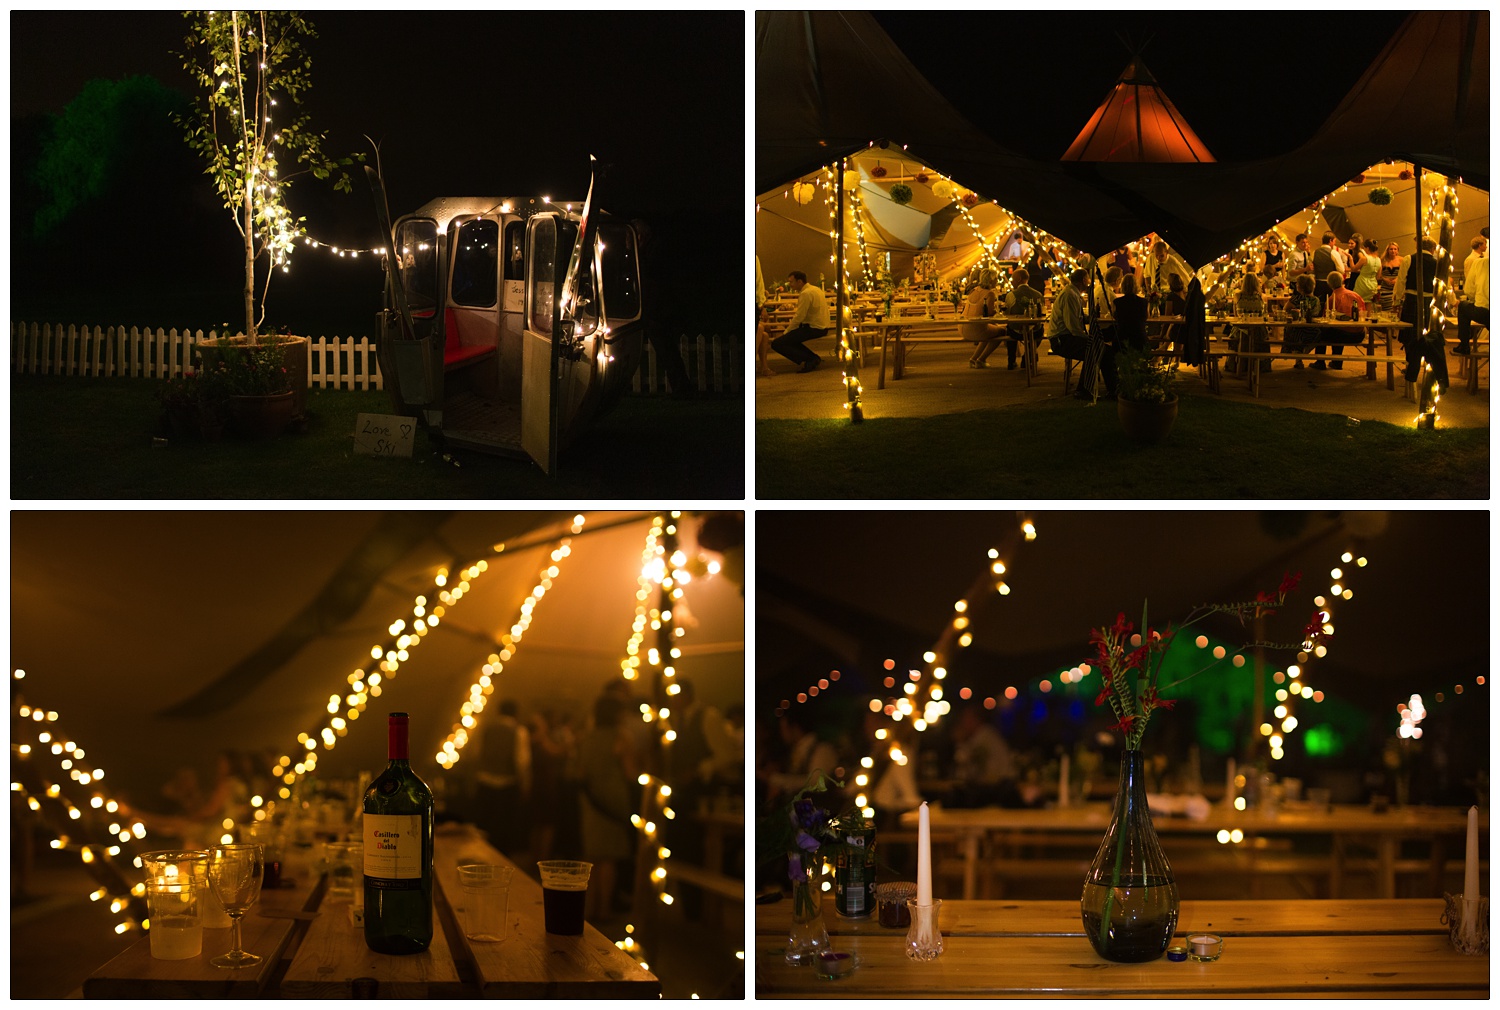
384,435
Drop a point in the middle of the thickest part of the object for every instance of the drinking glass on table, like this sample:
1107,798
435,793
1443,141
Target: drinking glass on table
234,873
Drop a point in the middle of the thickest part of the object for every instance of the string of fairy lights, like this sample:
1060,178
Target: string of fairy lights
510,641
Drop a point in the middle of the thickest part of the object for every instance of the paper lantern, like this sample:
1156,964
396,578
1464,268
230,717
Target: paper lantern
802,192
851,179
942,189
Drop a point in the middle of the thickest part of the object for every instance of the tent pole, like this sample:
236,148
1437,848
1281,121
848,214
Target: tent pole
1419,331
848,352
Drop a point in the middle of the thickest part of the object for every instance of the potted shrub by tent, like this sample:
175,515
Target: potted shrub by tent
1147,406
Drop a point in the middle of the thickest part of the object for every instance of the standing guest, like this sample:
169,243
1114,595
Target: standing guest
1390,273
762,335
1130,315
1273,260
1477,248
1367,284
1354,258
1340,257
809,322
1476,303
1158,267
503,779
1067,328
606,769
1306,306
1325,261
807,753
1121,258
1300,260
1016,248
1415,307
1021,300
982,303
1341,302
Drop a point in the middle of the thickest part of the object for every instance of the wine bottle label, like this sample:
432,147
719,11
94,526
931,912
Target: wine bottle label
393,848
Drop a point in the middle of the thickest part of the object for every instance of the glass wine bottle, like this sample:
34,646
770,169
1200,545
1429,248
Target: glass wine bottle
398,853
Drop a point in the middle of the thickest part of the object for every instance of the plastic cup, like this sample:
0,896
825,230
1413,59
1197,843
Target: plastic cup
486,892
188,863
343,858
565,884
174,905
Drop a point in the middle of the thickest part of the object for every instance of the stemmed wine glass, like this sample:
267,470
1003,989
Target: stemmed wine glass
234,873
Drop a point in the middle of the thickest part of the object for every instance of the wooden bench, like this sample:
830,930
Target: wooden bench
1364,359
1478,357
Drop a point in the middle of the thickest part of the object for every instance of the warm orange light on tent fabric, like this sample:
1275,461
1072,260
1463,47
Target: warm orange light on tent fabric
1137,122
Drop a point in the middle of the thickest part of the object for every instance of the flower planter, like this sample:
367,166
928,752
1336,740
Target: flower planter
262,416
1147,422
294,351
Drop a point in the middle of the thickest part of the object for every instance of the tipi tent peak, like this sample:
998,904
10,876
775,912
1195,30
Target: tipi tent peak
1137,122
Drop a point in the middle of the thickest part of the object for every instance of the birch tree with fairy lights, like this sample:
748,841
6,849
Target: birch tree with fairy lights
252,72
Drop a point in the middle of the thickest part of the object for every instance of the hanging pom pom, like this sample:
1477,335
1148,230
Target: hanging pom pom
901,193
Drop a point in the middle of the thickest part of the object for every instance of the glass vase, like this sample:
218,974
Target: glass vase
1129,896
808,936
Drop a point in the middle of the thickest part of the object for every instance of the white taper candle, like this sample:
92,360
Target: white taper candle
924,857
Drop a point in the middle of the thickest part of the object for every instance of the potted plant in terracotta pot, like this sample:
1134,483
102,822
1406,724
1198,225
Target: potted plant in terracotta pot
252,72
1147,405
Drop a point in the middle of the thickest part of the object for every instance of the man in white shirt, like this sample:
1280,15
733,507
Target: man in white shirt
808,322
1068,329
1476,303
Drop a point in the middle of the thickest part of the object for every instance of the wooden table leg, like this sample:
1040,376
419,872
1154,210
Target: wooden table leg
884,339
1386,885
1369,343
971,864
1390,369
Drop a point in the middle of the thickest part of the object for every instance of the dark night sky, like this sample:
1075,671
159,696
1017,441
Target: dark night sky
1251,84
473,103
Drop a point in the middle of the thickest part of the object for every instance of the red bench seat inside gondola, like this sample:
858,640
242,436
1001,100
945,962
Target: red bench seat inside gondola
455,355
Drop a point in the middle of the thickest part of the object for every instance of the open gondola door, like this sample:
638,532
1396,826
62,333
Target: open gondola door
542,339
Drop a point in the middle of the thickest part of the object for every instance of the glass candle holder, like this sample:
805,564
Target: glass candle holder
1205,946
924,940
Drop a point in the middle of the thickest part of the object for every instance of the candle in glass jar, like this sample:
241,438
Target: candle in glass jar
924,857
1471,857
1062,781
1229,784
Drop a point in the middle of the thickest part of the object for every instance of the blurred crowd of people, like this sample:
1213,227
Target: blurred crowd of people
544,783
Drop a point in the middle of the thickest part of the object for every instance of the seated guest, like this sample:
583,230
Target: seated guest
1251,338
1341,302
1476,303
1021,300
1306,306
1175,302
1130,316
809,321
981,303
1067,328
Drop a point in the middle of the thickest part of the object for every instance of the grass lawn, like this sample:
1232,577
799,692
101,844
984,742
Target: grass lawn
79,438
1064,449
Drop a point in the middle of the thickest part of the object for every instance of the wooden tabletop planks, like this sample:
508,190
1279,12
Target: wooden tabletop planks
1366,948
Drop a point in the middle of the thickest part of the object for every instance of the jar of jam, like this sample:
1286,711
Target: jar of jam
890,900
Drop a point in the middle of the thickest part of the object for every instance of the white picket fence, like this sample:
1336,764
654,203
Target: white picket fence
142,353
716,364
